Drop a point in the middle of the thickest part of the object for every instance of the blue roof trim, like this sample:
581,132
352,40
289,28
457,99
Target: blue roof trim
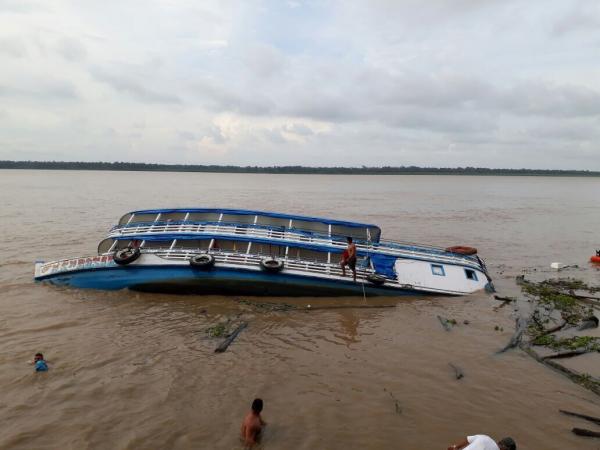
218,237
249,212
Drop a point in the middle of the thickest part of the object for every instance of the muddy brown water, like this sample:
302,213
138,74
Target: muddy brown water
136,371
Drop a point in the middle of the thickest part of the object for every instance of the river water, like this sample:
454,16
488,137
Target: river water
137,371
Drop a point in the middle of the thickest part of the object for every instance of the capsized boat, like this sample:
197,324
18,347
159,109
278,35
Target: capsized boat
235,251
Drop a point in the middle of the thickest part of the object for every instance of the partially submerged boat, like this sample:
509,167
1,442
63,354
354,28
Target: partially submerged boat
234,251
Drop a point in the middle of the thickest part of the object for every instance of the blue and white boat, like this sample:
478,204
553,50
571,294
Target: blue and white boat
233,251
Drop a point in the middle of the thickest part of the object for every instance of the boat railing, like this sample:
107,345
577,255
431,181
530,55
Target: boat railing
289,237
254,259
238,228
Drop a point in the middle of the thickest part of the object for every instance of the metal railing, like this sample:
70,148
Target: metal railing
246,260
289,238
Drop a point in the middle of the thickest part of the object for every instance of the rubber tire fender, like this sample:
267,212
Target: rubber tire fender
271,265
126,255
376,279
204,261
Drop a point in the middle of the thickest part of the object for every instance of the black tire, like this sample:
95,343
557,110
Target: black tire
271,265
376,279
126,255
204,262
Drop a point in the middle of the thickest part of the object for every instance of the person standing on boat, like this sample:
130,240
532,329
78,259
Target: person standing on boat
349,258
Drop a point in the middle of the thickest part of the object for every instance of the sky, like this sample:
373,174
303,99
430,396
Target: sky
500,84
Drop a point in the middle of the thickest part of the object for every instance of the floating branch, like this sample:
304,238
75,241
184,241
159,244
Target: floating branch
457,371
221,348
566,354
584,432
595,420
444,323
521,326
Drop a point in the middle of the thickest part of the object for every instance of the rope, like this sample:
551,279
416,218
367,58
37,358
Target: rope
363,289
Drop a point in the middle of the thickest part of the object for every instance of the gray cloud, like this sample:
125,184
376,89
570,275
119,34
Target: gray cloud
42,90
72,49
583,16
497,83
134,88
13,46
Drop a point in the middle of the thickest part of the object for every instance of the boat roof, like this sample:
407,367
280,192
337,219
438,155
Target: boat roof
374,230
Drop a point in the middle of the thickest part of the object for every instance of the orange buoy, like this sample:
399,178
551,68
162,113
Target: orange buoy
595,259
462,250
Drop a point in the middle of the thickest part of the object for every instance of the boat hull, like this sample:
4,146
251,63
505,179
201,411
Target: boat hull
182,279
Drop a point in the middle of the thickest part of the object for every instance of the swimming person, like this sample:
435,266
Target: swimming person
252,424
349,258
40,364
483,442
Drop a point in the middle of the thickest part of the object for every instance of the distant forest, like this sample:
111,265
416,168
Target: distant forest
384,170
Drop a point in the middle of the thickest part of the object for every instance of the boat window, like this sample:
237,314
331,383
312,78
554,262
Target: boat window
471,275
143,218
105,246
122,244
315,227
267,249
307,255
125,219
191,244
203,217
226,245
238,218
355,233
157,244
375,234
172,217
275,222
437,269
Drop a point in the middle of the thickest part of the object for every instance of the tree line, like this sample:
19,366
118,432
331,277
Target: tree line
364,170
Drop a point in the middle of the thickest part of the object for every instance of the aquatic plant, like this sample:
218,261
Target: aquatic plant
587,343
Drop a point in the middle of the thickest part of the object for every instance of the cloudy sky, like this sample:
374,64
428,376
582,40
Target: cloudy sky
380,82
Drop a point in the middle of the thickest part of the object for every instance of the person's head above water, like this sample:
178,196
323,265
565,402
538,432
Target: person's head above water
507,444
349,239
38,357
257,405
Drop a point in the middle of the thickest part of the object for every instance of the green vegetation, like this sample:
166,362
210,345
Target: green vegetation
218,330
556,293
587,381
364,170
574,343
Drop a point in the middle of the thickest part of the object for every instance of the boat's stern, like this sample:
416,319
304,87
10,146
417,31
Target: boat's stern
37,271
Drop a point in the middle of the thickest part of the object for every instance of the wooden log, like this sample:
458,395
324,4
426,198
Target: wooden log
553,329
588,322
584,432
504,299
317,308
573,375
595,420
444,323
457,371
566,354
223,346
521,326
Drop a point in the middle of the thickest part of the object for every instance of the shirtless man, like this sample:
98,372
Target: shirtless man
252,424
349,258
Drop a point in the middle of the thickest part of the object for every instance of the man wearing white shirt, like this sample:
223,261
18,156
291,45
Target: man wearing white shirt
483,442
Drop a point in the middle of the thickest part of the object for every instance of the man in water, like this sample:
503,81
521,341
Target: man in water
483,442
349,258
40,364
252,424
